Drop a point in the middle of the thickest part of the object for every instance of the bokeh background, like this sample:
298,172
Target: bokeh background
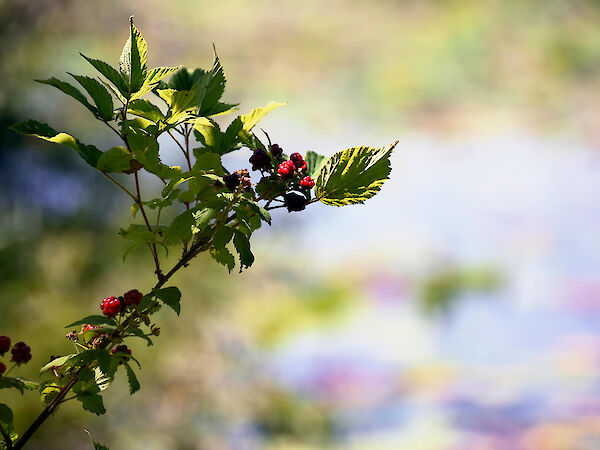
459,309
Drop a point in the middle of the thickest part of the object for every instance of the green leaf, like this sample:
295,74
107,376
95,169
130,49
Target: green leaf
314,162
251,119
223,257
180,229
57,362
133,59
153,79
69,90
145,149
139,333
147,110
242,245
262,212
48,391
209,134
99,94
6,414
208,161
181,104
134,384
20,383
215,86
99,446
110,73
94,320
222,237
41,130
354,175
269,188
169,296
117,159
92,403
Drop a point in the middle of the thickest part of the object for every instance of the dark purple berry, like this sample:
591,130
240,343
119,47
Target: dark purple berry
276,151
260,160
132,297
21,353
295,201
4,344
231,181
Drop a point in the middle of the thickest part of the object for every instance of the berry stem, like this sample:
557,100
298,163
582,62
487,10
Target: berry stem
6,437
11,368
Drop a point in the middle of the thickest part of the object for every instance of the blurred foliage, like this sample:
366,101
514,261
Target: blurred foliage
442,290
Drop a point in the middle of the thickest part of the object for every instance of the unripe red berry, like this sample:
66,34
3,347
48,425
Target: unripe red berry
2,368
307,182
132,297
21,353
110,306
4,344
286,169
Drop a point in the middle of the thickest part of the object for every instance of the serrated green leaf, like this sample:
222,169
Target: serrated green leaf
147,110
134,384
181,105
354,175
99,446
242,245
132,62
224,257
222,237
145,149
99,94
94,320
89,153
180,229
187,197
208,133
110,73
208,161
139,333
117,159
269,188
69,90
20,383
152,80
92,403
215,86
57,362
262,212
252,118
315,162
170,296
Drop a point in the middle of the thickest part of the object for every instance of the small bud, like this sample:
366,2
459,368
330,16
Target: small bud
155,330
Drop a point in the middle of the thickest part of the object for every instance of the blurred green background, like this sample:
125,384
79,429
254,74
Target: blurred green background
380,326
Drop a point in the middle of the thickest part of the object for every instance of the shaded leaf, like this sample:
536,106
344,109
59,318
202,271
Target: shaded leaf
94,320
170,296
110,73
69,90
92,403
134,384
99,94
314,162
242,245
41,130
224,257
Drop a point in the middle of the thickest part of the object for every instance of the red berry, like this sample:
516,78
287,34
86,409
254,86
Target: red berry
110,306
286,168
132,297
307,182
296,157
21,353
4,344
2,368
87,327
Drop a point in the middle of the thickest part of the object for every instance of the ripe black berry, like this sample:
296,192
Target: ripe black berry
121,348
295,201
260,160
276,151
21,353
231,181
4,344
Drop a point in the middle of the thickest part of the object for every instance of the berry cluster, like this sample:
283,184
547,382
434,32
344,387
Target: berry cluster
121,348
238,178
21,353
111,306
